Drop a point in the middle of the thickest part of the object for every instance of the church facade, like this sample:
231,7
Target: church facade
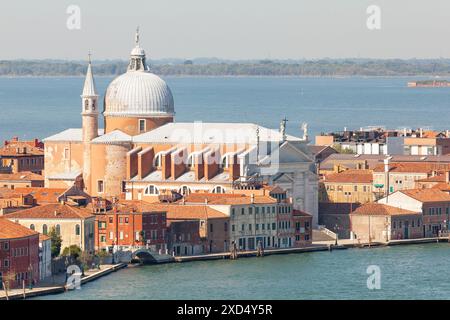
142,153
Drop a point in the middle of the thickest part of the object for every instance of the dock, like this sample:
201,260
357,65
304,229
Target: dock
47,287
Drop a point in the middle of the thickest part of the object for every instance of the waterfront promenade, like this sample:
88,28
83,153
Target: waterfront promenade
57,283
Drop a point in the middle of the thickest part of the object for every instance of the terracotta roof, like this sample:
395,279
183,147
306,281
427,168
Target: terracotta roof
427,195
26,148
51,211
436,178
245,200
43,195
412,167
6,193
202,197
43,237
378,209
442,186
12,230
21,176
188,211
350,176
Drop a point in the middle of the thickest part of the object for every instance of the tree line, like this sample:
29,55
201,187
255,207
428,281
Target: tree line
316,68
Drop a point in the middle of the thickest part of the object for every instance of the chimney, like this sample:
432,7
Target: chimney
447,176
447,133
206,200
421,132
252,196
56,213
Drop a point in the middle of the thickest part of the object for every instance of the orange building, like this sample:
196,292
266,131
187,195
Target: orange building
17,156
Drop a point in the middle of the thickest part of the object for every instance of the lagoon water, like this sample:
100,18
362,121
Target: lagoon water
39,107
407,272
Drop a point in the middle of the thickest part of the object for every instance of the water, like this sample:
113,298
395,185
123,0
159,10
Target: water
39,107
407,272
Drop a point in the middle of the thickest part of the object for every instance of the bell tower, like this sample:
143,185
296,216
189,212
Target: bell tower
89,115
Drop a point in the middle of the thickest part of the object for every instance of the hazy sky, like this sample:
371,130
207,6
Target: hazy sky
231,29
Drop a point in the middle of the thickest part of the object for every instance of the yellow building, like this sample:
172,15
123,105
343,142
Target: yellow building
74,225
353,186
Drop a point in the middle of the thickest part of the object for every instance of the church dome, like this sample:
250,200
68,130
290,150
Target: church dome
138,92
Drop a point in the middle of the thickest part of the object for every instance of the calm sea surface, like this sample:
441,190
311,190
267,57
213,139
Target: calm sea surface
407,272
39,107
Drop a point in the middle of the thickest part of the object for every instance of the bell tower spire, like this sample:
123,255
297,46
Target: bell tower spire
89,115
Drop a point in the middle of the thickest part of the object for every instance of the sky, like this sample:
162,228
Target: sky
228,29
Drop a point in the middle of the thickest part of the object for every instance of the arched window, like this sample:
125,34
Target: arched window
86,105
44,229
184,190
58,229
151,190
32,227
77,230
218,189
157,161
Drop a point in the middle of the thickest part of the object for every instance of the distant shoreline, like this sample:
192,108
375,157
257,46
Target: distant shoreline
328,68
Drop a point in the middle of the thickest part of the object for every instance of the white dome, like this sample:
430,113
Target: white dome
138,93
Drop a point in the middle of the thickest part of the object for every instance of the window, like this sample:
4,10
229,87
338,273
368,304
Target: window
157,162
93,105
184,190
77,230
225,226
233,228
66,154
6,263
121,235
141,125
211,227
6,246
86,105
102,239
243,211
218,189
44,229
100,186
111,235
151,190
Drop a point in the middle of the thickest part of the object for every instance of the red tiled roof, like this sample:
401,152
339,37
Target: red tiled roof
350,176
203,197
12,230
43,195
413,167
187,211
427,195
379,209
51,211
21,176
11,149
